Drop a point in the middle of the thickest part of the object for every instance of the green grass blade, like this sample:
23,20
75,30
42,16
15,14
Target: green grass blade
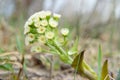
99,62
118,76
19,44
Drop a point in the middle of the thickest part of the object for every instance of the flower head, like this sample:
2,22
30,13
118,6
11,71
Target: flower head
53,23
42,39
64,31
30,37
27,29
41,29
37,24
42,14
44,22
49,35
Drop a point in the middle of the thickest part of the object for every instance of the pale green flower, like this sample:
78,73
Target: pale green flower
30,37
53,23
57,16
44,22
42,14
36,49
29,22
49,35
37,24
42,39
41,29
64,31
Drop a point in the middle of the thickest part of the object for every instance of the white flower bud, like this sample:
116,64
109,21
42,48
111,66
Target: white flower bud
42,14
44,22
49,35
41,29
26,29
53,23
64,31
29,22
42,39
30,37
37,24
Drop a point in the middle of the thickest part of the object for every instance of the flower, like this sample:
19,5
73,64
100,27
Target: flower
26,29
49,35
42,39
37,24
30,37
42,14
57,16
44,22
64,31
41,29
36,48
53,23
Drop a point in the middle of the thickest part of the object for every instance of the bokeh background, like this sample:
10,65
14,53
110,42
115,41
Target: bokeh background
95,22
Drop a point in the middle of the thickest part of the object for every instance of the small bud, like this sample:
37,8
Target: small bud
42,14
44,23
42,39
49,35
64,31
29,22
41,29
53,23
30,37
26,29
37,24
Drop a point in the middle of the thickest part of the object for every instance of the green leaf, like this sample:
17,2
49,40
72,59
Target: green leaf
105,73
77,62
6,66
99,62
19,44
83,68
118,76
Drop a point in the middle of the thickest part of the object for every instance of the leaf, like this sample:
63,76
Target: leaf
118,76
99,62
6,66
19,44
105,73
77,62
83,68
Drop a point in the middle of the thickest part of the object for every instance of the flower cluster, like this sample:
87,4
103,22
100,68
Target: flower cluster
42,27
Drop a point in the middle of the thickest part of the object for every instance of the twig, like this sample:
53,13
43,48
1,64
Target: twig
21,69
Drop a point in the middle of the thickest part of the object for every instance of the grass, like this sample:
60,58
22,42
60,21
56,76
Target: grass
99,62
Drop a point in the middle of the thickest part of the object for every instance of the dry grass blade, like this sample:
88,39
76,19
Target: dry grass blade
8,53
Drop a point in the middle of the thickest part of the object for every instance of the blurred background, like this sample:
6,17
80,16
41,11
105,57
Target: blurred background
94,21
